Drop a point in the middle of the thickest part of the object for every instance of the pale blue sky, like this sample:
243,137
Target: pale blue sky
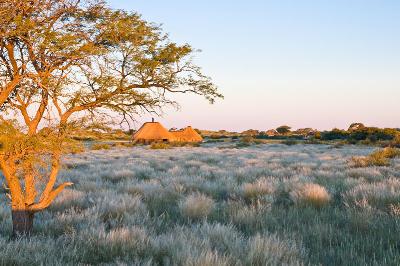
305,63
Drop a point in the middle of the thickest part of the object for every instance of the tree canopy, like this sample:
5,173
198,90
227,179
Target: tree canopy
283,129
79,56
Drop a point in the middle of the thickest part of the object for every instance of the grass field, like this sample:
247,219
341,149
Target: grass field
268,204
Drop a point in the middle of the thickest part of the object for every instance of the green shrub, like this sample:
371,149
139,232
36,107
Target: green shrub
370,135
334,134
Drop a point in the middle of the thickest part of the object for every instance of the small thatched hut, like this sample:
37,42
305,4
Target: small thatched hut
153,132
187,135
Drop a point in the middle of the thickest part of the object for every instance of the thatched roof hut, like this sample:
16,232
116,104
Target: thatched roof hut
187,135
153,132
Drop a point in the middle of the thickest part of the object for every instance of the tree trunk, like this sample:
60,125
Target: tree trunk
22,222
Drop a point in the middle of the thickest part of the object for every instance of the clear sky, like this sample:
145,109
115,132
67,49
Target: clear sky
305,63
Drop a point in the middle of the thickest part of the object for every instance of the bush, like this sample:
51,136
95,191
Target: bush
334,134
369,135
377,158
196,206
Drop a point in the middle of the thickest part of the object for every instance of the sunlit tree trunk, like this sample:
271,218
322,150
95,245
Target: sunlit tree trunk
23,198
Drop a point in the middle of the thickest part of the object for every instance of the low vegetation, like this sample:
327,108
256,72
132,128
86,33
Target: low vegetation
379,157
197,206
267,204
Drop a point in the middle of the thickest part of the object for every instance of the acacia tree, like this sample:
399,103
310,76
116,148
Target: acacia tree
284,130
62,60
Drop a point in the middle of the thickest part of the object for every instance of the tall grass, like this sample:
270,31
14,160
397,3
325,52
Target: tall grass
310,194
266,204
197,206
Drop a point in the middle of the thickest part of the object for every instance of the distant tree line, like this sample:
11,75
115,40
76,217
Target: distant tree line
356,133
361,134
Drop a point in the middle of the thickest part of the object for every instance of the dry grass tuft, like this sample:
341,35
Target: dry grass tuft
259,188
311,195
197,206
